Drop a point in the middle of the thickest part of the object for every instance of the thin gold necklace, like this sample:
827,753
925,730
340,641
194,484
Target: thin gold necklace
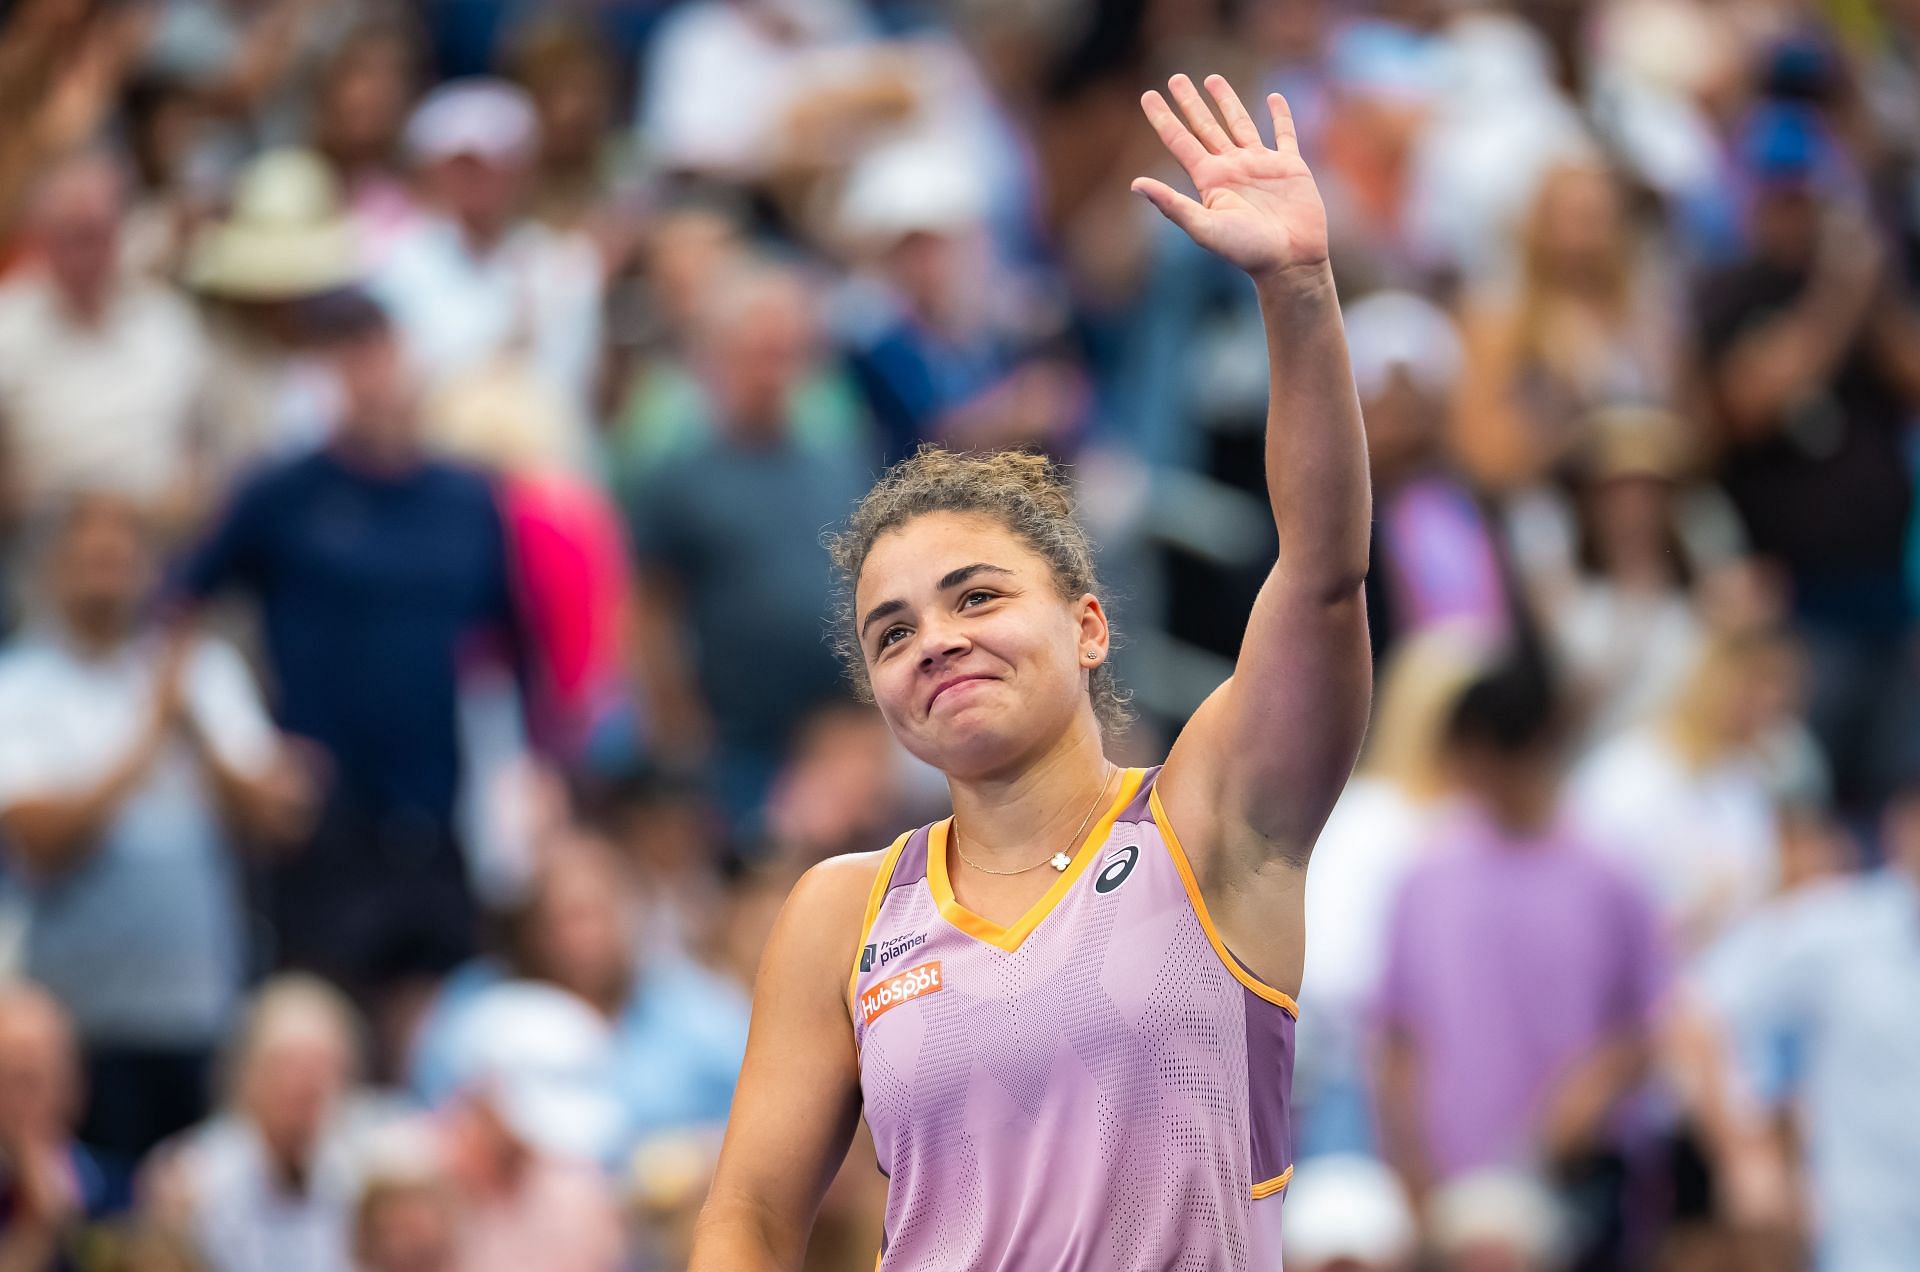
1060,860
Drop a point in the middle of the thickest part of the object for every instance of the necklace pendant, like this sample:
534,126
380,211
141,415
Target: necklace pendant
1060,861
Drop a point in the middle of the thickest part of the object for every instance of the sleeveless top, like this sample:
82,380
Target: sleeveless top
1102,1087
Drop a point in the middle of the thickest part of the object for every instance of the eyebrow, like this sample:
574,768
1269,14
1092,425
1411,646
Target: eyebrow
951,579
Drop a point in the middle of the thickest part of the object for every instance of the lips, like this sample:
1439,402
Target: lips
951,682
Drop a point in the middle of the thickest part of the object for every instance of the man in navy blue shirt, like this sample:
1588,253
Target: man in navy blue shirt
378,572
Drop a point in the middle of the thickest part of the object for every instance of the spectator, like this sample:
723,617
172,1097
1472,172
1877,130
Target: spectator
99,371
568,552
845,783
529,1117
740,337
1504,120
405,1219
728,538
365,88
1686,802
49,1184
1378,830
943,346
678,1032
732,88
61,69
133,764
269,1181
168,143
1349,1215
375,569
1523,971
565,69
285,240
1625,626
1496,1221
669,833
1813,355
1437,553
1583,329
1384,80
476,281
1821,980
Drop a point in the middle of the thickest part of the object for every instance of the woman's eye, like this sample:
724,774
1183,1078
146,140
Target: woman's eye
971,597
891,635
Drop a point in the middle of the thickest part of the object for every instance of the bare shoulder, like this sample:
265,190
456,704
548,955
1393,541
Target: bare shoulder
824,912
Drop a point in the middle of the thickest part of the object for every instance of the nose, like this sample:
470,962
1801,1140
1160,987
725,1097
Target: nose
940,640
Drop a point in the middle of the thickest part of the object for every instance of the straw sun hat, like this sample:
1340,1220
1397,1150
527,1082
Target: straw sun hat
286,237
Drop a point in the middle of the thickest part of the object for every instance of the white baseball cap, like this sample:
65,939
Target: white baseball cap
479,117
908,187
1346,1206
1397,330
543,1060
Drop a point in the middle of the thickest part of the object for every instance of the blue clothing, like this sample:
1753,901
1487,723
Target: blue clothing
370,586
1821,991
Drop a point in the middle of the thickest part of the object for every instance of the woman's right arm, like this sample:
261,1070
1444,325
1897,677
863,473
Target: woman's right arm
798,1101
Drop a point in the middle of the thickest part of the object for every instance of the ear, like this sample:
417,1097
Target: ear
1095,638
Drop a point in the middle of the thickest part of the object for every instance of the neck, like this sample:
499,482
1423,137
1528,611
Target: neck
95,636
480,236
1649,576
376,454
1011,820
88,307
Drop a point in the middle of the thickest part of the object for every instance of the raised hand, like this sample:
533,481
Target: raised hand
1258,205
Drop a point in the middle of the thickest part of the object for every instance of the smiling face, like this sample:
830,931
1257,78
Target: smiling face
977,662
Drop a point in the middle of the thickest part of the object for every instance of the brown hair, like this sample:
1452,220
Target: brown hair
1025,492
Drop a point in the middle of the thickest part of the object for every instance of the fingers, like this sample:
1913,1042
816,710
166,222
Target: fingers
1284,135
1239,124
1176,207
1199,115
1178,140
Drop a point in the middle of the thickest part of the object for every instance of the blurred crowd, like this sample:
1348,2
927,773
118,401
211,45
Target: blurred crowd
418,420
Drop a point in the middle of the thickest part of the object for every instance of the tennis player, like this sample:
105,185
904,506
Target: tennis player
1067,1010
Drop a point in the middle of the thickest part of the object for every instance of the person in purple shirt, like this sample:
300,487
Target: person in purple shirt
1522,972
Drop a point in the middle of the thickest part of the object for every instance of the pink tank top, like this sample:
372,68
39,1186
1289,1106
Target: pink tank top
1101,1087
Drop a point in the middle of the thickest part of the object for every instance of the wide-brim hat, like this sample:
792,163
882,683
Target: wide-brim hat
287,237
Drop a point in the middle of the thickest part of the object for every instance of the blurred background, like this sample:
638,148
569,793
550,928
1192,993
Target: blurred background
418,419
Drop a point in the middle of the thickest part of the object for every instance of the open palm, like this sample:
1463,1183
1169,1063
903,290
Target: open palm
1258,205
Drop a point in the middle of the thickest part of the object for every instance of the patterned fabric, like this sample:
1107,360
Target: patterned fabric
1100,1086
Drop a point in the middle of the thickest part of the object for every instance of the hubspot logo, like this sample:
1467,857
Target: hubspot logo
915,982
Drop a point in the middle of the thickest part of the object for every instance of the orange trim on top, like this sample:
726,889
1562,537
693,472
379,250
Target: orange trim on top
875,897
1278,998
1009,938
1266,1188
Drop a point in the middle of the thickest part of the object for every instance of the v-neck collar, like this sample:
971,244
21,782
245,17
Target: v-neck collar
1009,938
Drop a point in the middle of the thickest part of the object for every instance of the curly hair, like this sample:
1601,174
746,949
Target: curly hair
1025,492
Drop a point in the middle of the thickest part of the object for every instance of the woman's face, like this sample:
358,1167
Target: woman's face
976,662
1580,222
365,101
1633,523
582,938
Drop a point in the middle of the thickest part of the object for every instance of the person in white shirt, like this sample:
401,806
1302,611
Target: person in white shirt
133,764
99,371
475,281
1690,801
271,1180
